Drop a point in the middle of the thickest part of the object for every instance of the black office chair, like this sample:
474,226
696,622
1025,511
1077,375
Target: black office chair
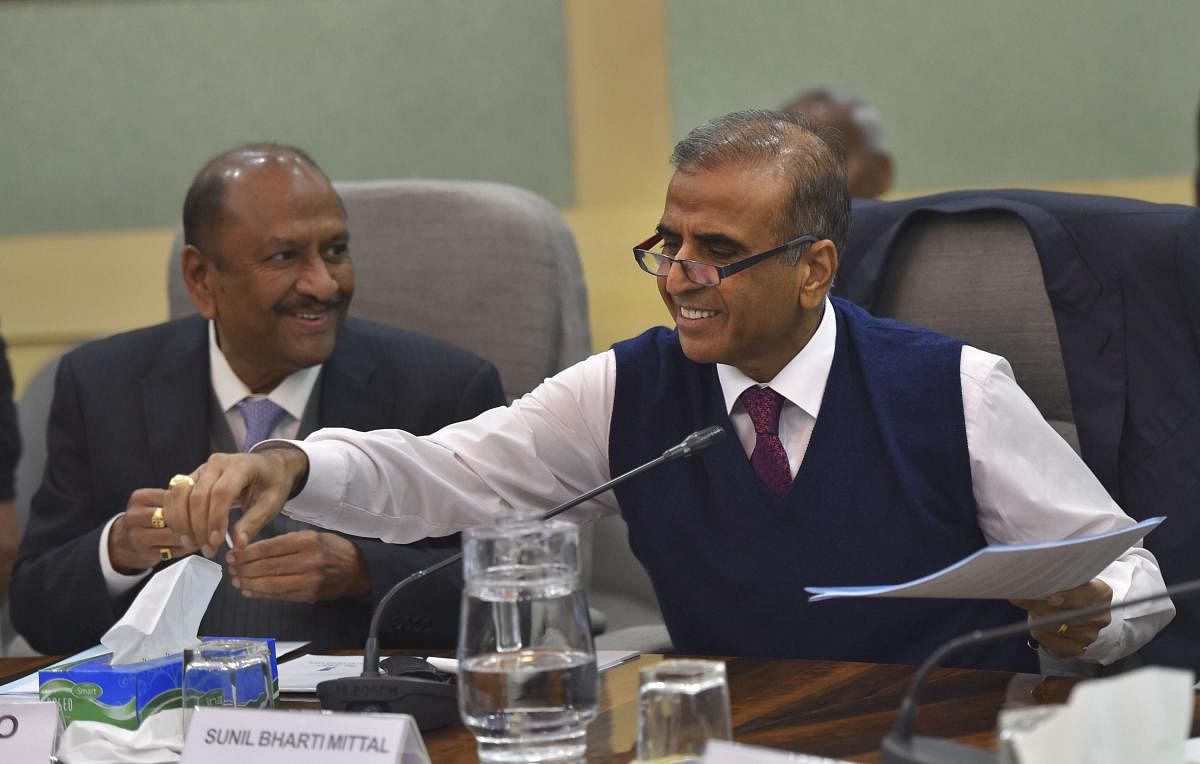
1095,301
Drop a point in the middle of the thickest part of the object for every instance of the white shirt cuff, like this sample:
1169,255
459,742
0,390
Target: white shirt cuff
116,583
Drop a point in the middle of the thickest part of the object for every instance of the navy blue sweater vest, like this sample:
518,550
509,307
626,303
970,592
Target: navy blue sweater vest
883,496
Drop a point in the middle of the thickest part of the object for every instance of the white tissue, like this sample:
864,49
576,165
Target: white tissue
165,617
1143,716
158,741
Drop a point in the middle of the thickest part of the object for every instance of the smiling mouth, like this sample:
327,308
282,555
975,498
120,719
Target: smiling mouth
695,313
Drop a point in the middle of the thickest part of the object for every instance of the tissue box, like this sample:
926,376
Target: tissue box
95,690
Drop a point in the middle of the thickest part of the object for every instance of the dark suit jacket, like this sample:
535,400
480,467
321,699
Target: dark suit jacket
132,410
10,437
1123,278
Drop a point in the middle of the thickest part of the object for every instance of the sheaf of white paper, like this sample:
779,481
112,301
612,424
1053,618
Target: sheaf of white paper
1012,571
725,752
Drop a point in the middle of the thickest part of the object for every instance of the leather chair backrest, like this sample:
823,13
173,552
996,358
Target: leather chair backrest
976,276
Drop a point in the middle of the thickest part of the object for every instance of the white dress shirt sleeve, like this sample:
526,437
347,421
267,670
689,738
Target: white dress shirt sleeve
1030,486
116,583
546,447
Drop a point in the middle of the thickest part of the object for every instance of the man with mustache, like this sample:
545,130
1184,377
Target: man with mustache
272,353
861,450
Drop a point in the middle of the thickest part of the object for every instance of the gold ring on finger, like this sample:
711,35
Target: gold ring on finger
156,519
181,479
164,553
1062,629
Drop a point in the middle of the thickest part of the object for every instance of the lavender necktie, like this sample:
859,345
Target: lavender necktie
769,459
262,416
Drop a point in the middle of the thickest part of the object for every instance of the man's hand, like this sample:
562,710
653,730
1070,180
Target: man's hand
134,543
260,482
1072,640
303,566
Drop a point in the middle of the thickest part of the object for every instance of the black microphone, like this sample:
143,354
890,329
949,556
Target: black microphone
901,746
426,694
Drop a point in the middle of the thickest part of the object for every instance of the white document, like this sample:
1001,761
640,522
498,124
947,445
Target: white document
1013,571
726,752
302,674
605,659
287,648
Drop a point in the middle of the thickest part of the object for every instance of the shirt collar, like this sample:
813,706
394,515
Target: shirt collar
291,394
802,380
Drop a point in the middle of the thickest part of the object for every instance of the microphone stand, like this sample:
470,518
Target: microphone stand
367,688
901,746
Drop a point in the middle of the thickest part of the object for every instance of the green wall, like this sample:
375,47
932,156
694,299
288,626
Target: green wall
973,92
107,107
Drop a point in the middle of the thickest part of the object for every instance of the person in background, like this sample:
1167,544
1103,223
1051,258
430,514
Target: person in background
864,451
10,450
267,263
860,128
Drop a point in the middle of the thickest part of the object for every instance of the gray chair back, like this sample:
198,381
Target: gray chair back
976,276
486,266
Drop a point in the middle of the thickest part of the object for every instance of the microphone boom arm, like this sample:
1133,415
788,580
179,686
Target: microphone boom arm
693,443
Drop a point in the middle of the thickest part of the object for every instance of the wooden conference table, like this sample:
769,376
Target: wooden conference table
839,710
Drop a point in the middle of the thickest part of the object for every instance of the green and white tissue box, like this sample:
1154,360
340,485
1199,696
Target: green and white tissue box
95,690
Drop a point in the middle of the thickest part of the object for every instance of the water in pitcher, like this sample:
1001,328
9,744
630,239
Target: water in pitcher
526,699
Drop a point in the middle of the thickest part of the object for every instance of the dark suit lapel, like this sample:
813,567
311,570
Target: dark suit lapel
347,396
1089,311
175,401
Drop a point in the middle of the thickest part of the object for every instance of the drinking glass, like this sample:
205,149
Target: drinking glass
682,704
226,672
527,667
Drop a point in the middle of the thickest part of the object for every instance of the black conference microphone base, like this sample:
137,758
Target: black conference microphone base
431,704
931,750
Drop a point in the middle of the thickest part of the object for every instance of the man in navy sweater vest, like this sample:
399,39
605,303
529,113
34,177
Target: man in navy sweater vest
867,451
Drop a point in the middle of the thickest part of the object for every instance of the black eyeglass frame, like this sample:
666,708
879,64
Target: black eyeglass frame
723,271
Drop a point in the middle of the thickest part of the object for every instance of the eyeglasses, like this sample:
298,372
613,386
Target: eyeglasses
704,274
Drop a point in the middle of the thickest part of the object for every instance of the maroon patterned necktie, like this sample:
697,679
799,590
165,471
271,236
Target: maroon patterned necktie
769,459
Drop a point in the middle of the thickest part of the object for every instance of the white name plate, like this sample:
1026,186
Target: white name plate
27,731
725,752
233,735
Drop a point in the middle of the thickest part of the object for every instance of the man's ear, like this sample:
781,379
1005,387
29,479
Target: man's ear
198,277
818,265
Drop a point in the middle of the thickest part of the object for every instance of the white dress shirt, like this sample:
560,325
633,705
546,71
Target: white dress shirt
291,395
552,444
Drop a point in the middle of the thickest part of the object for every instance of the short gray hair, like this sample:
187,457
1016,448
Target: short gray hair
808,152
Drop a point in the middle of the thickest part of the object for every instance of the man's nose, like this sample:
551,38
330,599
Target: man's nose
678,281
316,279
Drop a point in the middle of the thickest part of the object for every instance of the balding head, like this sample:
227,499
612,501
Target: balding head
204,204
267,260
